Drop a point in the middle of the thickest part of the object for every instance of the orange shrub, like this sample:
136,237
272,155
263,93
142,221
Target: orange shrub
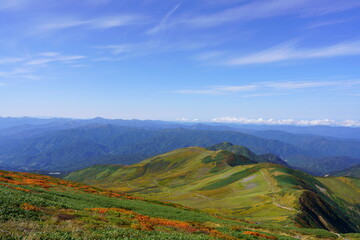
29,207
256,234
16,188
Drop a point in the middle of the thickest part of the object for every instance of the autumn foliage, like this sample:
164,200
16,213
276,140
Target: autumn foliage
35,180
256,234
143,222
29,207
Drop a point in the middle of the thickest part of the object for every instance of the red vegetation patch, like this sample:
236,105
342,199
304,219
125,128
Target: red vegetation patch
29,207
25,179
118,210
143,222
16,188
148,223
29,179
256,234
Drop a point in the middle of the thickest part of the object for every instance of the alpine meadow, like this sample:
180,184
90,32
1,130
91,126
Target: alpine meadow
184,120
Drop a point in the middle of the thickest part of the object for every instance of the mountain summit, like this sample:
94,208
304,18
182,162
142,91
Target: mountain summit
244,151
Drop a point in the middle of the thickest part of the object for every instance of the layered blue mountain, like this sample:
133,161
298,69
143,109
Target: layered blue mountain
67,144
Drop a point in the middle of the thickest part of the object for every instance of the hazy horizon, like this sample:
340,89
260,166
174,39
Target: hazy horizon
254,61
225,120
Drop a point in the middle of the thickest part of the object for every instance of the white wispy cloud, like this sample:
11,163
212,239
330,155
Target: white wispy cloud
300,85
49,54
272,8
54,58
13,4
19,73
327,23
289,51
10,60
28,68
2,84
261,95
164,21
107,59
260,9
97,23
119,49
135,49
242,88
116,21
218,90
78,65
271,121
271,88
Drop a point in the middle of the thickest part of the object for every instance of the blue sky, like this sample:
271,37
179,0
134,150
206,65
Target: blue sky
272,61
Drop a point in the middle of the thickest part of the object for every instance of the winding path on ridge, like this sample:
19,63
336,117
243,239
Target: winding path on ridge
273,190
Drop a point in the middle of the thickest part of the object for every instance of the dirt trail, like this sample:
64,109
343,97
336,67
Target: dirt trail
202,196
273,190
156,183
272,187
284,207
131,186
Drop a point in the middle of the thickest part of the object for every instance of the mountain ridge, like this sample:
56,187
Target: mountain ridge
260,192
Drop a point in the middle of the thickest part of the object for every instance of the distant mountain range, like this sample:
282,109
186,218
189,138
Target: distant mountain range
28,144
229,184
349,172
24,123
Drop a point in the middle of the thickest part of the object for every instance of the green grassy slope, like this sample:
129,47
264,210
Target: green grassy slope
40,207
223,183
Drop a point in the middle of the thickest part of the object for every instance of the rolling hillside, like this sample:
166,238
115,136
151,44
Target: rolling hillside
40,207
224,183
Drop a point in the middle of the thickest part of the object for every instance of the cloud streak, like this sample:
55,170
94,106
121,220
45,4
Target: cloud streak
327,23
273,8
257,10
11,60
54,57
97,23
288,51
12,4
164,21
270,88
218,90
28,68
271,121
19,73
119,49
